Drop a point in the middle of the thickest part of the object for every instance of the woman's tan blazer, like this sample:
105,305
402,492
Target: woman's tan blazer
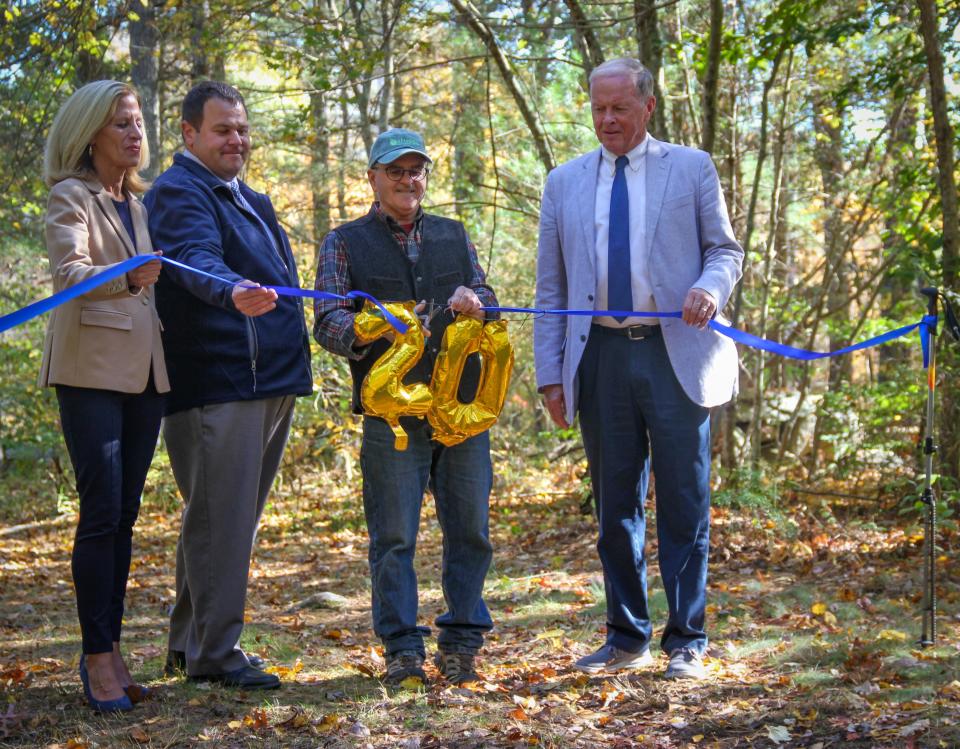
108,338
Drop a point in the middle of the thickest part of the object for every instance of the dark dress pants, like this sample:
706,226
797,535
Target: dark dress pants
111,437
632,409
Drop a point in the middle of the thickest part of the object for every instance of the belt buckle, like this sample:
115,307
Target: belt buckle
638,332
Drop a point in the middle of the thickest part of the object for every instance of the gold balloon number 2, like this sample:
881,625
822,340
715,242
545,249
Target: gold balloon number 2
384,394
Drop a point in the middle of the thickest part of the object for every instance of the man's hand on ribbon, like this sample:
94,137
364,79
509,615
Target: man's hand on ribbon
466,301
253,300
699,308
556,405
424,319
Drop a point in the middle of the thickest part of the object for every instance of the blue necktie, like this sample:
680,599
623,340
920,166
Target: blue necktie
245,205
619,286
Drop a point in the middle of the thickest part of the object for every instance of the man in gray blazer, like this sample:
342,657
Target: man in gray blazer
639,225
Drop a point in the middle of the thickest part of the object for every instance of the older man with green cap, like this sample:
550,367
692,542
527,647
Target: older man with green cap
396,252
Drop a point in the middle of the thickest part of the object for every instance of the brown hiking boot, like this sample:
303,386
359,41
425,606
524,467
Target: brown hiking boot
405,669
457,668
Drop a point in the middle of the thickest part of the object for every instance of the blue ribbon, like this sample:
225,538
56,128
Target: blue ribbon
45,305
782,349
79,289
400,326
925,325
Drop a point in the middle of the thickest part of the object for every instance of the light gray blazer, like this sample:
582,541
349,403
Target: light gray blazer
690,243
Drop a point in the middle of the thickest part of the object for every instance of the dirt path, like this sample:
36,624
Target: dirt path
812,623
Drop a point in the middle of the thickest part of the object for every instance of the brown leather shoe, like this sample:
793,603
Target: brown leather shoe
138,693
457,668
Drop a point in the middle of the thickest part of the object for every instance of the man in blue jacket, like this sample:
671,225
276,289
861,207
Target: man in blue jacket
237,356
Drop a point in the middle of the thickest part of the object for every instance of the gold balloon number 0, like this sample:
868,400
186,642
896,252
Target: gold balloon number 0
384,394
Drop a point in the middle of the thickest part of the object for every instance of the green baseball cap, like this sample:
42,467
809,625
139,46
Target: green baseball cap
391,144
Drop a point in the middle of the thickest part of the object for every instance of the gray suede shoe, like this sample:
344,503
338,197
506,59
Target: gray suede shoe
609,659
685,664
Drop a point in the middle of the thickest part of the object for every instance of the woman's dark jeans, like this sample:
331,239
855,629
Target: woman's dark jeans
111,437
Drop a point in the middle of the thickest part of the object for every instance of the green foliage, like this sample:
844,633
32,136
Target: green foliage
871,428
756,494
852,238
28,421
48,48
945,495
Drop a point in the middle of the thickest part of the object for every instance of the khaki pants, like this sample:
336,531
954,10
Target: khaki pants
224,458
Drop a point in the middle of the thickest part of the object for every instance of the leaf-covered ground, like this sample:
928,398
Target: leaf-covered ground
813,616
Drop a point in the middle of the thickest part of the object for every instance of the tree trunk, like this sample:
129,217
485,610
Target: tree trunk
199,63
731,167
218,70
766,278
388,18
687,130
361,93
319,158
88,64
650,51
783,263
468,159
483,32
828,117
730,408
712,76
343,153
950,261
762,147
144,56
362,88
589,44
896,286
828,154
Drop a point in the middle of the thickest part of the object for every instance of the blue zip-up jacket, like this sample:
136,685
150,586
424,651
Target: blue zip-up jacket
215,354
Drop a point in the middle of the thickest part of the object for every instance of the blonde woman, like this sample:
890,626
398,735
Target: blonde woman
103,355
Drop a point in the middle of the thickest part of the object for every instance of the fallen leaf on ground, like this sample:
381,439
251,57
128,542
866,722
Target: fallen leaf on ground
138,734
778,734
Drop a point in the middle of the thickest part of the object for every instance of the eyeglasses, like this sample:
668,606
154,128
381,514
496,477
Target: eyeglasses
397,173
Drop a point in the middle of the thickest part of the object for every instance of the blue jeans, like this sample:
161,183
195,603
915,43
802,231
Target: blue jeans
633,408
460,478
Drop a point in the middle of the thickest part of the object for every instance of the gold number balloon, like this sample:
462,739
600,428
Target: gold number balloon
453,421
383,393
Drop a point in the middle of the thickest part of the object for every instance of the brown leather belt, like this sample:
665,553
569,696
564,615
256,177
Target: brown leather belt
633,332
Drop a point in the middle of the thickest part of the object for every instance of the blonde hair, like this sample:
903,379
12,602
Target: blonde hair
78,120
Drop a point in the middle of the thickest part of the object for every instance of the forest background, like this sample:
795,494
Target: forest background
832,125
832,129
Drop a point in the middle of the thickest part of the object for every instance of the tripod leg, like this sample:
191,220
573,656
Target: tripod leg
928,635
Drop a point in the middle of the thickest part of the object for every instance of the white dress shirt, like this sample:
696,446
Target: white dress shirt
641,286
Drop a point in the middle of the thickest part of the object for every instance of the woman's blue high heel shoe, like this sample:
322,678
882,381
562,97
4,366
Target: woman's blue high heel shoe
121,705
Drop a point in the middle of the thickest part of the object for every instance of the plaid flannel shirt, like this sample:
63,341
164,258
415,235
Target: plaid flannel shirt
333,318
